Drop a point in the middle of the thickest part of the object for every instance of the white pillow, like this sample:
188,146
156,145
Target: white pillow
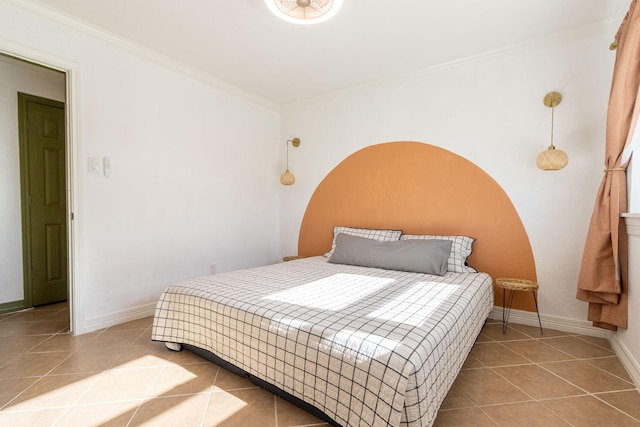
460,249
379,235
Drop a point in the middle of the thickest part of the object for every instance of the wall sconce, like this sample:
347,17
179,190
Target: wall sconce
552,159
287,178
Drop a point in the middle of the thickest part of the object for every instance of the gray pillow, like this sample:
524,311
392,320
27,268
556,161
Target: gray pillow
460,250
418,256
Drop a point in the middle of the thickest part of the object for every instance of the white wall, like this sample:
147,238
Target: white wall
633,184
195,168
16,76
194,171
491,112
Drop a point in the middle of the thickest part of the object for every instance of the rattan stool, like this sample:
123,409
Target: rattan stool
513,285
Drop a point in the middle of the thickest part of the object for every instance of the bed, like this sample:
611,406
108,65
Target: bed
362,343
364,346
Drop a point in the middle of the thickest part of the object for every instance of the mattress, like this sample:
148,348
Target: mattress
365,346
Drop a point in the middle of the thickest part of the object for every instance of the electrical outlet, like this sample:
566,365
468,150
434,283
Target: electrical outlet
213,269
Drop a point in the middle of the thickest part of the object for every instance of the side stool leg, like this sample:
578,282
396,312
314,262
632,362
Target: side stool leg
506,310
535,300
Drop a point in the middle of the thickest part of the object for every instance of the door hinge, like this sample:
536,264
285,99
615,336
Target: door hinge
72,216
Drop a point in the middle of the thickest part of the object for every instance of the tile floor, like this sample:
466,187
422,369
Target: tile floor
118,377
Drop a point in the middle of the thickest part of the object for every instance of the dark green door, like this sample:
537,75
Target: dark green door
43,183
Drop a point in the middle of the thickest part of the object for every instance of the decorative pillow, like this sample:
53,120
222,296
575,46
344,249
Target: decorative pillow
460,249
418,256
379,235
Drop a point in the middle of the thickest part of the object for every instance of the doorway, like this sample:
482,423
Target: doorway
69,94
30,71
42,140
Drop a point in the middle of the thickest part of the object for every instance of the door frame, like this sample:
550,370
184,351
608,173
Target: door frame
72,71
25,166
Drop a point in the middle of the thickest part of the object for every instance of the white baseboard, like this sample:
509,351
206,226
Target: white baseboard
118,317
582,327
627,358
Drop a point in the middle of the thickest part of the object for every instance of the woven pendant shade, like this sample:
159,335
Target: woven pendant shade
287,178
552,159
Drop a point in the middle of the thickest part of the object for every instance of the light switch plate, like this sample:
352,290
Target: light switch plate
94,164
106,166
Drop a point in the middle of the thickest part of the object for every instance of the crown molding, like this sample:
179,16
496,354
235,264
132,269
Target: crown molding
153,56
141,51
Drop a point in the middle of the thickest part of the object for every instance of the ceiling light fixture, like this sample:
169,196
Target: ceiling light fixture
304,11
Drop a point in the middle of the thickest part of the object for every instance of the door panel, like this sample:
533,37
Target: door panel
54,252
52,159
44,182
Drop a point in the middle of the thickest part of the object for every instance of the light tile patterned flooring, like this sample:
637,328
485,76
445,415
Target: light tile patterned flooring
118,377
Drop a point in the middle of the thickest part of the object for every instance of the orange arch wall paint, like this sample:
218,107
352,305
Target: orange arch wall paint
422,189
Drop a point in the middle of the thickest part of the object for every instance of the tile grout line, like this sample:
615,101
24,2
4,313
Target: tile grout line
525,393
580,337
275,410
41,377
582,388
206,407
614,407
98,376
2,408
610,373
146,394
573,358
489,416
74,403
539,401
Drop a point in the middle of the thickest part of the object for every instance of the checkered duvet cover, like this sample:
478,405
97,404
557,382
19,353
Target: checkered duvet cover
366,346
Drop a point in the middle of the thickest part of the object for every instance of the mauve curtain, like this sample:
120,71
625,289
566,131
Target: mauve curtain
603,274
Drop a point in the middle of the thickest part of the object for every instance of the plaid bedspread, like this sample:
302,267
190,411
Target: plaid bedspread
366,346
